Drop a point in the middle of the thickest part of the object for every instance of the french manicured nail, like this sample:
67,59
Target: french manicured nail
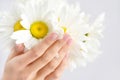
53,36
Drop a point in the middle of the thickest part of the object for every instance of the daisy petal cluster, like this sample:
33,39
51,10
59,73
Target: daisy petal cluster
32,20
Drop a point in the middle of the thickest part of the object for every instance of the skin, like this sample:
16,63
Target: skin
41,62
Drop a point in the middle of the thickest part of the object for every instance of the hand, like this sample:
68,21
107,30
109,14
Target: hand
40,62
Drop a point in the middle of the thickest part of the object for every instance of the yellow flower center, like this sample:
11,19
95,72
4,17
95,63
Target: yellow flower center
39,29
18,26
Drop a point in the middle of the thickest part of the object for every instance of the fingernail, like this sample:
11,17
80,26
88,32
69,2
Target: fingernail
18,46
53,36
66,37
69,42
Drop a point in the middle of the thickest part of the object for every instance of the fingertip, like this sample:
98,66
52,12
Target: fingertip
20,47
66,37
53,36
69,42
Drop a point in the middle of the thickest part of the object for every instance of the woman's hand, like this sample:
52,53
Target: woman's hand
40,62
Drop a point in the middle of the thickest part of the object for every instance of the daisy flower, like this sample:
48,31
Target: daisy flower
93,37
85,36
38,21
9,23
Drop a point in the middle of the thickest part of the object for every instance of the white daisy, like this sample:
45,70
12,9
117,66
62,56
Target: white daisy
93,38
88,50
38,19
74,23
9,22
85,36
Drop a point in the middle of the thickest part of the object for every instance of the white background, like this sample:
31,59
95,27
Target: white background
107,66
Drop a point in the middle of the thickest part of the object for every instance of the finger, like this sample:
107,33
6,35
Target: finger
59,70
17,50
49,55
36,51
50,67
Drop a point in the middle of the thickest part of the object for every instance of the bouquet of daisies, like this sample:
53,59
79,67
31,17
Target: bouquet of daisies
31,20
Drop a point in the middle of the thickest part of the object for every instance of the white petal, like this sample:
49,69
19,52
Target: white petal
21,36
31,42
25,22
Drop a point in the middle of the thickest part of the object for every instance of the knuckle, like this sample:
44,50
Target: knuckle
33,53
59,42
62,52
47,42
45,59
52,65
53,50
